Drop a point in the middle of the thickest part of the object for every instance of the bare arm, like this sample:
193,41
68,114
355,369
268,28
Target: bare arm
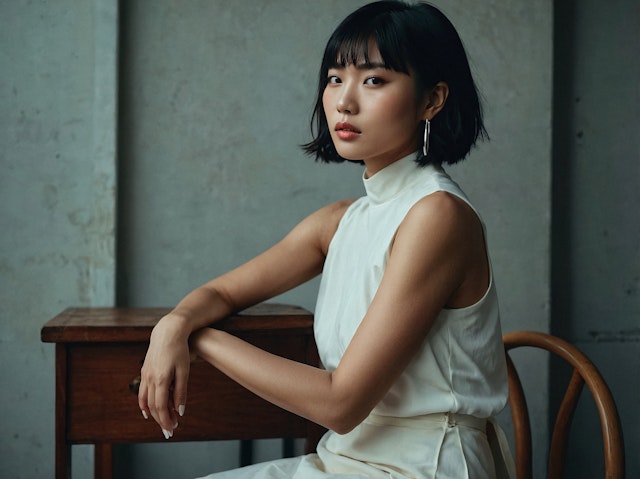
294,260
438,259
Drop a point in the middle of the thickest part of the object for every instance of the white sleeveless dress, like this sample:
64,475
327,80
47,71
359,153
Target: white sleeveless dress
430,425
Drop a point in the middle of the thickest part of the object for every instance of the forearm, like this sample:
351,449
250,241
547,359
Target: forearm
300,388
200,308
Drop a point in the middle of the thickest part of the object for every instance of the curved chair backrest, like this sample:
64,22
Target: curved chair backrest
583,372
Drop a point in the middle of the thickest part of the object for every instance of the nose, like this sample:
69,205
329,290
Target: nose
347,102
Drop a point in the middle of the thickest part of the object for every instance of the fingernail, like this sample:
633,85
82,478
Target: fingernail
144,414
167,434
181,409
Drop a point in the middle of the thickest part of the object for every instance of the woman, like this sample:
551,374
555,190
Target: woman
407,321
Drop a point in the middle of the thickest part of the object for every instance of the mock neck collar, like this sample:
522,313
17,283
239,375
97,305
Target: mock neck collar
391,180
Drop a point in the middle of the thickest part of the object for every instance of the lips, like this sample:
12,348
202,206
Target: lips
346,131
344,126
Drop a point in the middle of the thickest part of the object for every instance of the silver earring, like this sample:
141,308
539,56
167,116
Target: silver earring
427,132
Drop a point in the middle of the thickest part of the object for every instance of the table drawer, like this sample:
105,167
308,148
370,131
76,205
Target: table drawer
101,407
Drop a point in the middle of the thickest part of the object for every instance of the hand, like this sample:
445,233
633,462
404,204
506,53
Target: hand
165,373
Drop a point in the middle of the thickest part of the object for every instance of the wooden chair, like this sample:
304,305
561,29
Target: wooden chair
583,372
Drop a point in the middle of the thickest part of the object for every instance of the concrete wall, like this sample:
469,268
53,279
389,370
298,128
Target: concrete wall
57,203
213,100
596,203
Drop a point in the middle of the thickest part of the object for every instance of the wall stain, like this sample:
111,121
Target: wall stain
621,336
632,290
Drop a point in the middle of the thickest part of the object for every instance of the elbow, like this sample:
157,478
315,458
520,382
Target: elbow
346,406
343,418
344,427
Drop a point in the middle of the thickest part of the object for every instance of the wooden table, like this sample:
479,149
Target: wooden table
99,353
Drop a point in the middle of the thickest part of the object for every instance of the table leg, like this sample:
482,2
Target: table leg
63,460
63,449
103,461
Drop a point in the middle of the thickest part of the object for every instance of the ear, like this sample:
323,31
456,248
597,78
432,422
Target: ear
435,100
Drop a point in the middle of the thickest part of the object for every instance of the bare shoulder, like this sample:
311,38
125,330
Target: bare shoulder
327,220
443,233
329,216
318,228
338,207
441,226
446,212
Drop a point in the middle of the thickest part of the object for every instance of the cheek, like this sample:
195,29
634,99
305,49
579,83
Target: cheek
400,111
408,107
326,101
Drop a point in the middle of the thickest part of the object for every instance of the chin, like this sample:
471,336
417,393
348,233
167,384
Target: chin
349,155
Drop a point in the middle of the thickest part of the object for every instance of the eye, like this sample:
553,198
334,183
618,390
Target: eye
333,80
374,81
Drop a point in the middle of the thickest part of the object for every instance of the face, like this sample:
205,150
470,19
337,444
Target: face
373,113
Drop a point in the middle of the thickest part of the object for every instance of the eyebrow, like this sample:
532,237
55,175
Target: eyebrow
363,66
371,66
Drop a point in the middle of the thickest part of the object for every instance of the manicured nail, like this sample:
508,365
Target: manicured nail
167,434
144,414
181,409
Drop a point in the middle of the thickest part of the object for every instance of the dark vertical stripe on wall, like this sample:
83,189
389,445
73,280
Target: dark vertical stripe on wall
562,128
562,124
124,184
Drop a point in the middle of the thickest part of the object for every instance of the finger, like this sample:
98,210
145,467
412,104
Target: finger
155,409
142,399
151,401
180,390
162,412
171,408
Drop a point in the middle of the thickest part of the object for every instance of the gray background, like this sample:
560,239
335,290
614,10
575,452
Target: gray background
148,146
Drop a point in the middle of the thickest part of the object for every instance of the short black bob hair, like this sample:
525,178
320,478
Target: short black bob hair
414,39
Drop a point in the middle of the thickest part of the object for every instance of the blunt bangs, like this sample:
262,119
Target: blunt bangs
350,46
